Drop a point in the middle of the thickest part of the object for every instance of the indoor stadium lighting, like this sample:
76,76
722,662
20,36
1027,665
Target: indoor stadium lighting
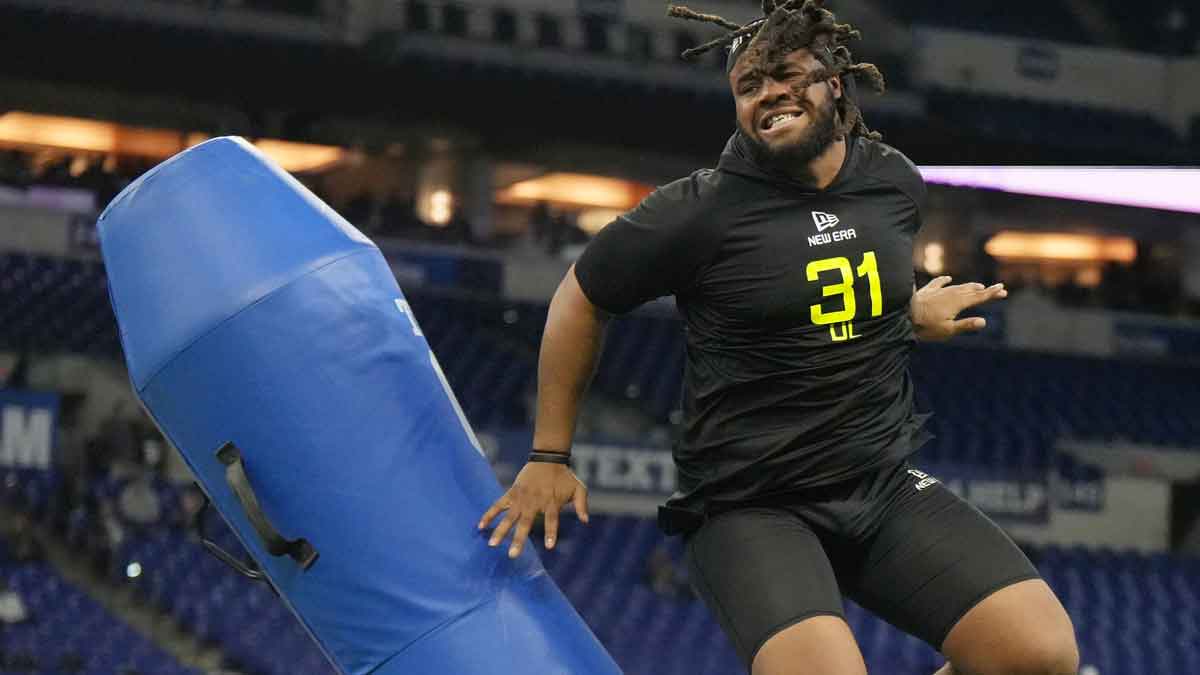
573,189
441,207
594,220
83,135
1169,189
935,262
1089,277
1012,245
299,157
70,133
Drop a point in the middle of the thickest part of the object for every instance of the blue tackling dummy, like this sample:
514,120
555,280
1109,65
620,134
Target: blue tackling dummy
269,341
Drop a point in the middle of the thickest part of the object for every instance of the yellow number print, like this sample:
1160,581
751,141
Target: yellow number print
869,269
845,289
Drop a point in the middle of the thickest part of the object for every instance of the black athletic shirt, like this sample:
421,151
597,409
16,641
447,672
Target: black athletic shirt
796,308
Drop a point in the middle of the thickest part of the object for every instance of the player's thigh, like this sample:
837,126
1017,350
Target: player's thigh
766,578
932,559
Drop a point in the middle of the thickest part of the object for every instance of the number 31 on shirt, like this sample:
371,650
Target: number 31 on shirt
840,322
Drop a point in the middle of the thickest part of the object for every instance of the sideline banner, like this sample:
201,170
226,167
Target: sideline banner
1140,337
1002,495
28,421
613,470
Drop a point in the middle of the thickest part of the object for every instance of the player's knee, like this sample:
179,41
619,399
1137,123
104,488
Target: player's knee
1047,655
1059,660
1052,651
820,645
1021,630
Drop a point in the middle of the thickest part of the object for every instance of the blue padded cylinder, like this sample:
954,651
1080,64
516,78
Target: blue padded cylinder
251,313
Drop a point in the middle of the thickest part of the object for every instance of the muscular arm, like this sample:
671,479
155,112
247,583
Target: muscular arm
571,345
637,257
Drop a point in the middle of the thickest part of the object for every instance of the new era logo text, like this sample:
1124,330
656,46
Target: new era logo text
825,221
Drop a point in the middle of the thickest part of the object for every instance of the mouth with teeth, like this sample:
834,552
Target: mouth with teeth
780,120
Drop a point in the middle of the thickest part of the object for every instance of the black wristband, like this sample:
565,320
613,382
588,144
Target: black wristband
550,457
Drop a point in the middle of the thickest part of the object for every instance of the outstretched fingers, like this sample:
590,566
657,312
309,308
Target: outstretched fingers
530,496
524,525
501,504
970,325
974,295
580,502
939,282
551,526
502,529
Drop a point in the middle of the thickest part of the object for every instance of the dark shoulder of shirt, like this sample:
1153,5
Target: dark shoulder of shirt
882,163
660,247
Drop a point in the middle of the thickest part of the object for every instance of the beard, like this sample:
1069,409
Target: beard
794,157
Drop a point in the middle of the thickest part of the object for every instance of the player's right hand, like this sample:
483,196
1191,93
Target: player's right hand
541,487
935,308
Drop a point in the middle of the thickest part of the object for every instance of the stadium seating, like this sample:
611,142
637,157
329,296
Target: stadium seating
1134,614
992,406
61,305
69,633
55,304
488,372
31,491
1011,406
255,631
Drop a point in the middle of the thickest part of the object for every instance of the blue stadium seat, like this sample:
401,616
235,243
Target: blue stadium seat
65,622
992,406
1135,614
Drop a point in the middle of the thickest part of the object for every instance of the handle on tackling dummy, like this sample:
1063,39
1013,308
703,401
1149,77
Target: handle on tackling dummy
299,549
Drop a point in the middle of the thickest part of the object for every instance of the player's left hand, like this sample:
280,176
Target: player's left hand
935,308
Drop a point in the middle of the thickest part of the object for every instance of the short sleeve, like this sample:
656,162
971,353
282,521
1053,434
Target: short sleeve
655,250
919,193
902,172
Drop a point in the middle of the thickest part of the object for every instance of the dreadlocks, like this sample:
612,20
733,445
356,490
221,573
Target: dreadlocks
790,25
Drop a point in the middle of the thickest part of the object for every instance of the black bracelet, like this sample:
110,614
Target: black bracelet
550,457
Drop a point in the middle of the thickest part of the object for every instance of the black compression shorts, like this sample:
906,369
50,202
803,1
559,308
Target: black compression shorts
896,542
